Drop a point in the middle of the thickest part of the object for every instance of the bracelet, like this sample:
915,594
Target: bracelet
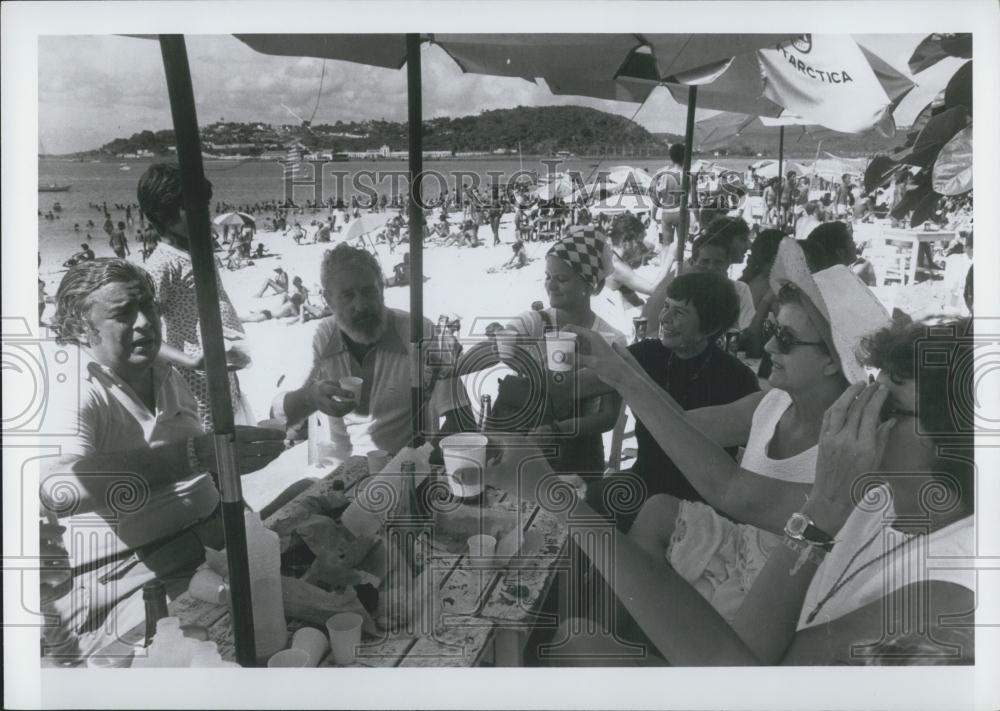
807,551
194,462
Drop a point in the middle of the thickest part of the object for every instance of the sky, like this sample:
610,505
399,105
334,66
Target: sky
94,88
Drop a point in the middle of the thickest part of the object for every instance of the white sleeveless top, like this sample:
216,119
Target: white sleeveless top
800,469
871,559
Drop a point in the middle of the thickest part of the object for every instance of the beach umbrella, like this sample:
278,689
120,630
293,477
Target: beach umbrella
596,58
234,218
371,222
769,169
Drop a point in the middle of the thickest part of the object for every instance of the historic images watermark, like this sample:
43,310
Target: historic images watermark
326,183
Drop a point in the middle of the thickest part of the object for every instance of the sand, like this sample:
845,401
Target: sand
456,282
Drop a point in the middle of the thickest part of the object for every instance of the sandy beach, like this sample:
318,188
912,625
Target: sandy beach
456,282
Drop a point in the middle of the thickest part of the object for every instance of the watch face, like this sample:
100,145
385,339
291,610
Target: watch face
796,525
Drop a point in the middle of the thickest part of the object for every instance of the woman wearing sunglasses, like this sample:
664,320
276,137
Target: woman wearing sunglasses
721,545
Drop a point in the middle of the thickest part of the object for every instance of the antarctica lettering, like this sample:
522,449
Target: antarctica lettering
835,77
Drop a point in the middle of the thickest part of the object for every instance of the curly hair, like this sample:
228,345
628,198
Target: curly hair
344,257
936,354
80,282
160,197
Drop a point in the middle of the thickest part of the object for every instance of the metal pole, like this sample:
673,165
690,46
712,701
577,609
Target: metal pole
185,118
415,127
781,180
682,233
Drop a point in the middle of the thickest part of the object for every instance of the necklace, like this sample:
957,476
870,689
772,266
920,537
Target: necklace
841,581
688,381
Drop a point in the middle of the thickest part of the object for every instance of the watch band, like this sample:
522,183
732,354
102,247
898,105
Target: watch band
802,528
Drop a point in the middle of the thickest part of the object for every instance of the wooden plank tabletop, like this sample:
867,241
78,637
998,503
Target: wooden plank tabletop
469,600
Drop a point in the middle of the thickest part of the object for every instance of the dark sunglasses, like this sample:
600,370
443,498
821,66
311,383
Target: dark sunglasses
784,338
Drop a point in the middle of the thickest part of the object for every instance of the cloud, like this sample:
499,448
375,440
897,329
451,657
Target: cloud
93,88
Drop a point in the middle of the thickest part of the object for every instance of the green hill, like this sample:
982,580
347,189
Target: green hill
534,130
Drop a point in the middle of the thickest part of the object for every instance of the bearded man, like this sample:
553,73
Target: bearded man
365,339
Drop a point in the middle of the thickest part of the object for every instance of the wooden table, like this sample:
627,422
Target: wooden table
482,616
912,240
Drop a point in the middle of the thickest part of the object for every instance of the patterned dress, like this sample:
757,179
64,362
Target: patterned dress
173,275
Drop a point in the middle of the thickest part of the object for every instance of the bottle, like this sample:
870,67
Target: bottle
154,596
169,648
206,654
264,555
60,642
485,412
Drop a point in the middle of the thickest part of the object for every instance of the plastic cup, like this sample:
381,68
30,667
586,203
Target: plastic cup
377,461
207,585
481,546
352,384
312,642
466,483
559,349
506,341
344,630
289,658
463,450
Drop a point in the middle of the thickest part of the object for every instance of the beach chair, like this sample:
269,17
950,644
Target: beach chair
890,262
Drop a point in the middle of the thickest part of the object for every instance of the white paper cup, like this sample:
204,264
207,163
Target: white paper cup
466,482
506,341
560,346
311,641
377,460
481,547
207,585
289,658
462,451
344,629
353,384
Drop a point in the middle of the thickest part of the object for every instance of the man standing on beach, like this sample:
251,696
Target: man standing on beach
366,339
118,242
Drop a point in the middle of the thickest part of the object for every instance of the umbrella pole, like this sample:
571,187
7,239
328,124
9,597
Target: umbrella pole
682,233
415,128
185,119
781,163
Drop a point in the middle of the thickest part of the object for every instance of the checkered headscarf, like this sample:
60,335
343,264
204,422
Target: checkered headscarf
587,253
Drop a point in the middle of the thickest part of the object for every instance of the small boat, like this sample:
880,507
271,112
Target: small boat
53,188
124,167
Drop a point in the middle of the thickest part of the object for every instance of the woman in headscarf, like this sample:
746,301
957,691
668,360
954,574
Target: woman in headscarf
576,267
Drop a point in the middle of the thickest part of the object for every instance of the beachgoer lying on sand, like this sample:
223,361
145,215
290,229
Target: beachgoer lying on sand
289,308
279,283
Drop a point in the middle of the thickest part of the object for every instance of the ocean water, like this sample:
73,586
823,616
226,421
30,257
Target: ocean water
244,183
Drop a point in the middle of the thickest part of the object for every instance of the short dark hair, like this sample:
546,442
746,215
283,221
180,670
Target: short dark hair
713,298
833,237
82,280
722,232
159,194
763,252
677,153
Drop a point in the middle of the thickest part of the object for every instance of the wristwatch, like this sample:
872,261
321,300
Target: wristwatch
801,528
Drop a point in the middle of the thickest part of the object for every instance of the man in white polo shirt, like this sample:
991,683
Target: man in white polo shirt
366,339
